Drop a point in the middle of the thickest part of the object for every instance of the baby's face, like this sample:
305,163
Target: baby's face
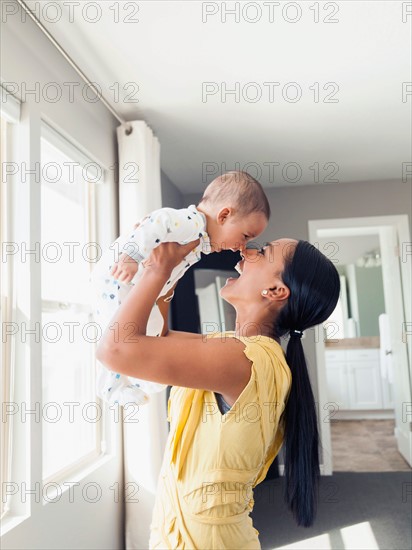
237,231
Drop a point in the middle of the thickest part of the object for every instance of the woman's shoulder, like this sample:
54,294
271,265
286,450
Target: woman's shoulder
259,349
250,341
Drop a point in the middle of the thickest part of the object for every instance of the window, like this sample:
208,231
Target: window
49,405
70,414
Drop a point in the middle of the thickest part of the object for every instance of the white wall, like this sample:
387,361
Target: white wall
32,59
171,196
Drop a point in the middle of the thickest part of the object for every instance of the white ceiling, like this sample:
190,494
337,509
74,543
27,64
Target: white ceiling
170,52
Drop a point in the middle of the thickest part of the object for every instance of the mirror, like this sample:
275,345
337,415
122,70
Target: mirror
215,313
358,261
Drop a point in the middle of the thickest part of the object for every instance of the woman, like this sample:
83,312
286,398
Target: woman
212,461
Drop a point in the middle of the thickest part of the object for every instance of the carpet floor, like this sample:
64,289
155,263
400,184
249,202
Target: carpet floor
356,510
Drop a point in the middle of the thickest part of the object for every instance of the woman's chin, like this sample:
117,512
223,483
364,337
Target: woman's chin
230,281
225,291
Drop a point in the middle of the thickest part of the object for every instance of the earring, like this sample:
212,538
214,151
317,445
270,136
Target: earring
264,292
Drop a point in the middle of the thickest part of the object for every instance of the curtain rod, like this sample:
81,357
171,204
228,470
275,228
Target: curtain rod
24,6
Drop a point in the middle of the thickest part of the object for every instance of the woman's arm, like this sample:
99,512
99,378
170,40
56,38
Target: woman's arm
212,364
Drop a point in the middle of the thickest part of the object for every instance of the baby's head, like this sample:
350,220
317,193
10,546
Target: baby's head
236,208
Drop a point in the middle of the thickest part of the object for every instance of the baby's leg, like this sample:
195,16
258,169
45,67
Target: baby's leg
114,388
154,328
110,386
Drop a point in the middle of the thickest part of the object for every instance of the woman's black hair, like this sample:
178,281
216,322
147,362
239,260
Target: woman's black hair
314,286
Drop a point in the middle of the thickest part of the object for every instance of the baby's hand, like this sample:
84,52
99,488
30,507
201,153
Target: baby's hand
125,269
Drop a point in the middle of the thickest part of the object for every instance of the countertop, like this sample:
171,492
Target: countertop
349,343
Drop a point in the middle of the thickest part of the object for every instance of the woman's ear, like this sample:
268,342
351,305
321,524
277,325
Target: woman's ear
279,292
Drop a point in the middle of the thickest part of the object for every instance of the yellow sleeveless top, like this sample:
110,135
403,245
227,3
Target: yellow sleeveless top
212,461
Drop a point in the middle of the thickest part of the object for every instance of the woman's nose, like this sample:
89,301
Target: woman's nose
248,254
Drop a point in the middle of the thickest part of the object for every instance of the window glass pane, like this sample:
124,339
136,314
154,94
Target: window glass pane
64,230
70,413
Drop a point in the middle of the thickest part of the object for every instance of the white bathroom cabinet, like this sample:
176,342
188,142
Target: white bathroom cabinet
354,380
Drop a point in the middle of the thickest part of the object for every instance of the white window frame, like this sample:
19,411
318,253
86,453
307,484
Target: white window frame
10,106
25,138
10,116
73,154
7,307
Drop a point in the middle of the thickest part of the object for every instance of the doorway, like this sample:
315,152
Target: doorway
363,360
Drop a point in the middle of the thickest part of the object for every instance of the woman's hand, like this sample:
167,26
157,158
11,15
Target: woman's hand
166,256
132,316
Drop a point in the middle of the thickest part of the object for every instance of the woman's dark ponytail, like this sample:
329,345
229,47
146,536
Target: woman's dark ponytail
301,450
314,287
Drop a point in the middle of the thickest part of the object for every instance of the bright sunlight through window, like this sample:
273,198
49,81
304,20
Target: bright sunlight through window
70,413
354,537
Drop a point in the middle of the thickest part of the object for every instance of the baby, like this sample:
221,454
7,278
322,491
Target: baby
233,210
